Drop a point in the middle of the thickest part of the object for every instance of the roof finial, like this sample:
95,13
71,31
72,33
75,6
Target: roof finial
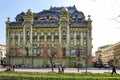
89,20
50,7
74,6
8,19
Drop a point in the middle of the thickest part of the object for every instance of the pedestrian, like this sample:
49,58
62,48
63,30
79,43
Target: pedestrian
78,67
63,69
13,67
113,70
59,69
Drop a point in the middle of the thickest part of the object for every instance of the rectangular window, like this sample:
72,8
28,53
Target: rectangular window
72,52
16,41
42,33
21,33
71,33
78,33
49,33
10,34
35,51
21,41
84,33
35,33
64,42
16,33
84,42
71,42
78,42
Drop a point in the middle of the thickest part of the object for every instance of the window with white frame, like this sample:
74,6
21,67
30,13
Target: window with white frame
28,33
21,41
35,51
71,33
35,33
21,33
49,33
84,42
84,33
56,33
11,34
78,42
71,42
78,33
64,42
64,33
72,52
16,41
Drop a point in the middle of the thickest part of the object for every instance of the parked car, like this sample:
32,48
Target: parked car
98,64
106,65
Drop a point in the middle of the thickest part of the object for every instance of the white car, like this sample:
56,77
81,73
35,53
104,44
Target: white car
106,65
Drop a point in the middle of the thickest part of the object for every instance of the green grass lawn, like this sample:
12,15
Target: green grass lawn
55,76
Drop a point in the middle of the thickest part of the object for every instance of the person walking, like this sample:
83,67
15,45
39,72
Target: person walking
13,67
63,67
59,70
113,70
78,67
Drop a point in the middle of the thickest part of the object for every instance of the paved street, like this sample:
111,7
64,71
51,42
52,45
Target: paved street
67,70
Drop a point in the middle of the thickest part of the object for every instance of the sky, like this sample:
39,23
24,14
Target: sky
105,15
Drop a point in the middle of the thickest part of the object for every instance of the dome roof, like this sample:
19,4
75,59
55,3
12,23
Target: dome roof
64,9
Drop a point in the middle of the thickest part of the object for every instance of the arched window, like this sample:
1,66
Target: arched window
42,33
64,33
64,24
28,33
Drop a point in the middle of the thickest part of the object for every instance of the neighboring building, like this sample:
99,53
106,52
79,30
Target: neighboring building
66,26
99,51
112,54
2,52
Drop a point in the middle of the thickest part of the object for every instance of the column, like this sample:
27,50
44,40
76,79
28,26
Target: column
60,38
38,40
75,38
18,38
81,37
68,41
52,40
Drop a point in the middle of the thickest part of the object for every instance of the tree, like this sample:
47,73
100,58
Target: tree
88,56
17,50
52,52
78,58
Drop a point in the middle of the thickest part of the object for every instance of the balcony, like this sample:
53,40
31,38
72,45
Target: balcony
16,36
27,37
78,36
64,36
35,37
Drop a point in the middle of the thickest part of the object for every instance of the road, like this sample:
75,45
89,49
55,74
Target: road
66,70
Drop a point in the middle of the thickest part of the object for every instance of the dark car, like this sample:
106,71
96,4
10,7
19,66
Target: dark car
98,64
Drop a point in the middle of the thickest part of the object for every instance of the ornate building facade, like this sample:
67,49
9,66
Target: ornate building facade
66,26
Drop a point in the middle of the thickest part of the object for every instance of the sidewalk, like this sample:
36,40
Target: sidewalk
67,70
